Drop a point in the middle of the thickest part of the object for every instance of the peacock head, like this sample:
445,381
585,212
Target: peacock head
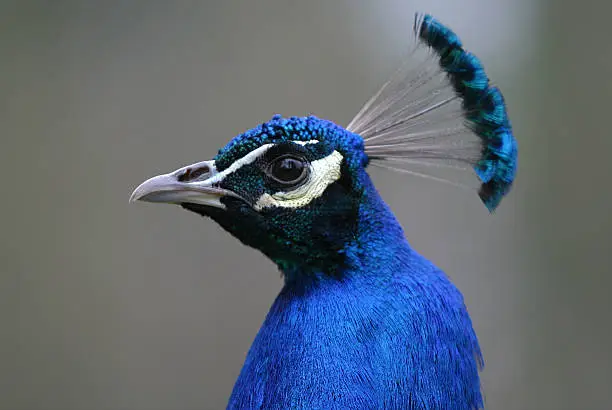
290,187
295,188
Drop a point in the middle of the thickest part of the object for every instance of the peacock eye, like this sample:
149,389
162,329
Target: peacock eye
288,170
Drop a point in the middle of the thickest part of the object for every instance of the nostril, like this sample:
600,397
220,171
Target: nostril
196,173
191,174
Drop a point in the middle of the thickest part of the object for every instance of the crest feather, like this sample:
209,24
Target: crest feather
439,112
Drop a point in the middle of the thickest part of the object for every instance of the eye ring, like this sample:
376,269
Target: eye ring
288,170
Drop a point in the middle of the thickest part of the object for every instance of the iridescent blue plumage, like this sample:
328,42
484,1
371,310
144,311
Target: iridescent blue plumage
368,323
280,129
362,320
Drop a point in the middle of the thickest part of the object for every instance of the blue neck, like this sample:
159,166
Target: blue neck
391,332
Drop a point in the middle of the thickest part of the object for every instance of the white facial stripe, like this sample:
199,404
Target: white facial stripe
247,159
302,143
323,172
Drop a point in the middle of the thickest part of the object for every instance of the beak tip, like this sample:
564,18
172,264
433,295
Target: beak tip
135,196
149,186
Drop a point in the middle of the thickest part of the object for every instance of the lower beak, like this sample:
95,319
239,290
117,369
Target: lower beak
193,184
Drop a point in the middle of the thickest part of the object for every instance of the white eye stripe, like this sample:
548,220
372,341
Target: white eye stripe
239,163
323,172
250,158
302,143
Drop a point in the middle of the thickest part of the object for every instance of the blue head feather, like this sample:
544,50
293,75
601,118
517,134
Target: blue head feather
313,236
280,129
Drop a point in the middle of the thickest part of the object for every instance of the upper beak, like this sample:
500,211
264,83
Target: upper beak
193,184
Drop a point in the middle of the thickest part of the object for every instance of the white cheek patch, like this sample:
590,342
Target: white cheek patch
323,172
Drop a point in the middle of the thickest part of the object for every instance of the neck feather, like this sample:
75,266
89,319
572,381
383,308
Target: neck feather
390,332
377,240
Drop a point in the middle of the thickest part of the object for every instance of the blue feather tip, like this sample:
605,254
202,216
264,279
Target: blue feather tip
483,105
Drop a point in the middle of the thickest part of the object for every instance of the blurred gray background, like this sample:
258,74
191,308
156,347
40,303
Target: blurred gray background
105,305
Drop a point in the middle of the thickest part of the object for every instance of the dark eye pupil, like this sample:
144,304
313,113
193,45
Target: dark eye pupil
287,169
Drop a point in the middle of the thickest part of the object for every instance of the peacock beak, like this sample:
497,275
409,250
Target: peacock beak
192,184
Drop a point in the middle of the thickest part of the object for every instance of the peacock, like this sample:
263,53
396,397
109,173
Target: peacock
362,320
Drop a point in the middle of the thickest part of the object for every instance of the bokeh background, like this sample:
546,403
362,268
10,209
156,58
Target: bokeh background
105,305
